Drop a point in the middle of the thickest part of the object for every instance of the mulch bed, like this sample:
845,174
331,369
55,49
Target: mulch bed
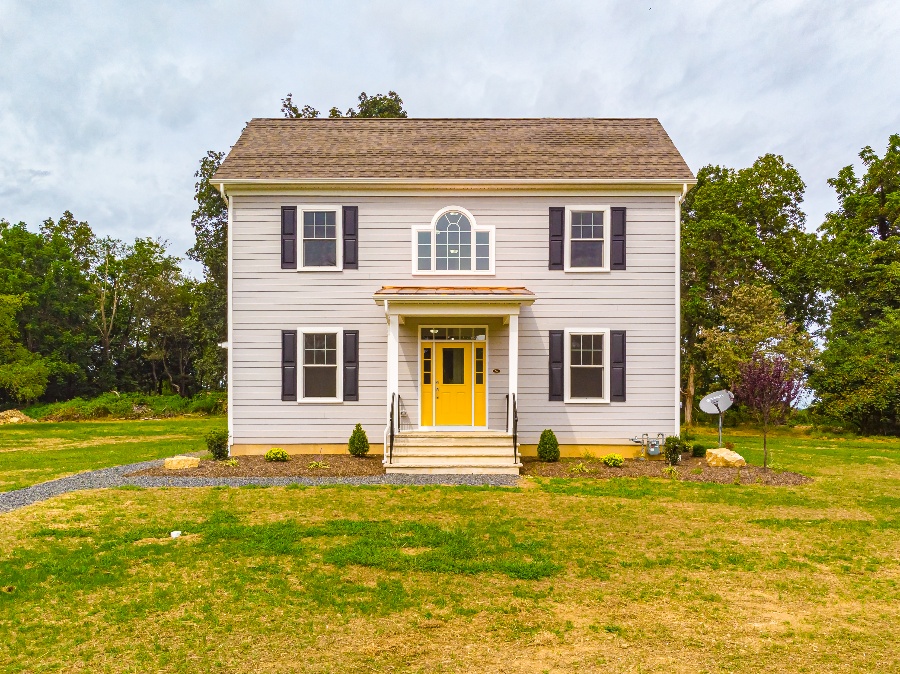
344,465
339,465
691,469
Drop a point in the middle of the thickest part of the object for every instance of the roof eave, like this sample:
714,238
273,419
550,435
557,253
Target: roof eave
417,184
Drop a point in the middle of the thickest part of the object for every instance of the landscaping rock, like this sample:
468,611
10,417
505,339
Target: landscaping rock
724,458
181,462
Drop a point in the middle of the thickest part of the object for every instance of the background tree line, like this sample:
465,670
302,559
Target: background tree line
81,314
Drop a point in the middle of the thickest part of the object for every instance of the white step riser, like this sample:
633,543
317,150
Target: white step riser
463,442
453,451
452,460
453,470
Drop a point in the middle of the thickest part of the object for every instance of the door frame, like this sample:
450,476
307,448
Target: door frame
487,389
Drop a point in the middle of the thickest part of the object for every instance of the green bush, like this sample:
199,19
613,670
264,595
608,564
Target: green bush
359,442
613,460
698,450
129,406
548,446
277,454
217,443
673,449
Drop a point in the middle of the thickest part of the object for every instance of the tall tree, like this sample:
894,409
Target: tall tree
859,378
379,105
23,374
741,226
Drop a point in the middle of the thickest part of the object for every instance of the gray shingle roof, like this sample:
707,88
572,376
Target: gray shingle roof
436,149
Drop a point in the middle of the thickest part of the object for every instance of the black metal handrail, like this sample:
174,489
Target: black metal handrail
515,429
391,421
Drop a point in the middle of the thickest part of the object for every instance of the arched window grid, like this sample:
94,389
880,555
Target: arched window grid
453,244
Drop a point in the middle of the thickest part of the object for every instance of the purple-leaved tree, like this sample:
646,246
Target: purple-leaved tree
768,386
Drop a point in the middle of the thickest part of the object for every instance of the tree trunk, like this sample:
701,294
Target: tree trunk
765,444
689,397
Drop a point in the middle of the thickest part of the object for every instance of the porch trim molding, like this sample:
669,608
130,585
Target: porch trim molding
457,301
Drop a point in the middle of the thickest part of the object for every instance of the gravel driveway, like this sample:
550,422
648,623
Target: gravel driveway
116,477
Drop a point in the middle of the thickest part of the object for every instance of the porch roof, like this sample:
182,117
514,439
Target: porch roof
454,294
501,301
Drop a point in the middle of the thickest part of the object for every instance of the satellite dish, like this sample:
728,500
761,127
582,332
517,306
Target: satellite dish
718,402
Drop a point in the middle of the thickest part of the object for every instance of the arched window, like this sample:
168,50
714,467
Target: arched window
453,244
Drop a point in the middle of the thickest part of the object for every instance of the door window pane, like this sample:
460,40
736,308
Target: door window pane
426,365
454,366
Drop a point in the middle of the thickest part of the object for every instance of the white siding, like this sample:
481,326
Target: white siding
640,300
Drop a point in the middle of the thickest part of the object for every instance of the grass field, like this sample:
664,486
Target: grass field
32,453
556,576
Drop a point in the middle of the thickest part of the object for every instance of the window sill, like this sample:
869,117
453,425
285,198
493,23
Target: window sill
586,401
454,273
319,269
581,270
320,401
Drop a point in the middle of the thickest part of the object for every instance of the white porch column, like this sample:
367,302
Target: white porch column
393,361
513,366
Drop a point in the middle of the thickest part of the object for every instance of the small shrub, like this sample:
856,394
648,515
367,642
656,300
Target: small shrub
580,468
672,450
697,471
231,463
698,450
359,442
217,443
670,472
318,464
548,446
613,460
277,454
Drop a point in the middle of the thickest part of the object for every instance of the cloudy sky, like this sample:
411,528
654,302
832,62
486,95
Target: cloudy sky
107,107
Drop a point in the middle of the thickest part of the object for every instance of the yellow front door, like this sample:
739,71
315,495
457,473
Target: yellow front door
453,385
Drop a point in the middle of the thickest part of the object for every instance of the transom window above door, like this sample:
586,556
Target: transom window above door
453,244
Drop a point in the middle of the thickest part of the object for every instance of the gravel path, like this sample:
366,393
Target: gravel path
115,477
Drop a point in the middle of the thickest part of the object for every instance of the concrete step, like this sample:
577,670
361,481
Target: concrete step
444,450
450,460
413,469
503,441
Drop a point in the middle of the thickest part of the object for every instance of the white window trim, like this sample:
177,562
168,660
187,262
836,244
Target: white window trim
339,362
607,226
338,233
445,272
567,374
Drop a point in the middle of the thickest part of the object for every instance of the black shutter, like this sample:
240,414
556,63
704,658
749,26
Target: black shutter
288,364
557,364
288,237
351,237
557,237
617,239
351,364
617,365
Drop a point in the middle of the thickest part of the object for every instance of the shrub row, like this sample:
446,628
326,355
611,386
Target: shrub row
129,406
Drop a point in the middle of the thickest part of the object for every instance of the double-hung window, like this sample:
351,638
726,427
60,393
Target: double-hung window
587,238
320,237
587,365
320,357
453,244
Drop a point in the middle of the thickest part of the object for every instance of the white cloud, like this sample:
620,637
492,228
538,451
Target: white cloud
107,108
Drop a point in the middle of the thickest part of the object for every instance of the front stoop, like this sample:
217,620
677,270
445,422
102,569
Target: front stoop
453,453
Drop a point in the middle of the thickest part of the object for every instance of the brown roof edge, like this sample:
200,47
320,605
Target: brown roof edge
412,291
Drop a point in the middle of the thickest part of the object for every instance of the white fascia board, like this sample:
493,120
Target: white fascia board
489,184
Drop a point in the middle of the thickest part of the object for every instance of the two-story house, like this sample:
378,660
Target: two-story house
455,285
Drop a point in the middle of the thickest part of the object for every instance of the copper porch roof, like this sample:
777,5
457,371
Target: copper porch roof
454,149
479,291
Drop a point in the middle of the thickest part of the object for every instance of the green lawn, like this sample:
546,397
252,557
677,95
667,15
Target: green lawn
31,453
555,576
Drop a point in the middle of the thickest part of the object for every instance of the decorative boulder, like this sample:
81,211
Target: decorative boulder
724,458
181,462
